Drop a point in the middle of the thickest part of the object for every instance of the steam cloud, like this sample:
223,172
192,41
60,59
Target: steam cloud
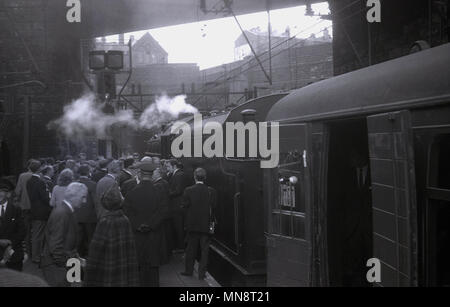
85,116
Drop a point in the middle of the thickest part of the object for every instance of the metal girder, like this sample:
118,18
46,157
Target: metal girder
106,17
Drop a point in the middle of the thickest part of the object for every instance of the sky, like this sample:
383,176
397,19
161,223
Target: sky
211,43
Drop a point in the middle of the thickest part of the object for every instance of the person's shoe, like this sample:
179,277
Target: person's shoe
186,274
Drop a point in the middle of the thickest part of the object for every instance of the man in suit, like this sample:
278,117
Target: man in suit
101,171
85,215
145,206
24,204
128,186
60,243
177,184
12,229
111,178
47,174
200,202
40,209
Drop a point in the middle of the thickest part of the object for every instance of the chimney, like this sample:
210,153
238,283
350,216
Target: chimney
248,115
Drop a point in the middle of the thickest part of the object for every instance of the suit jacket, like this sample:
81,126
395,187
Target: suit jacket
21,190
99,174
163,187
39,198
124,176
86,213
102,186
178,182
145,206
48,182
200,202
128,186
60,241
13,229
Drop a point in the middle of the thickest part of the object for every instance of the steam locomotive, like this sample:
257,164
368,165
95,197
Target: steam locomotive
363,174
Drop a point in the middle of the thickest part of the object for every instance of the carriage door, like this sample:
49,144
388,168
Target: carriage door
288,237
393,197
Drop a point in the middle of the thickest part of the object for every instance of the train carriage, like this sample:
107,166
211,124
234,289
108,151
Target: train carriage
363,173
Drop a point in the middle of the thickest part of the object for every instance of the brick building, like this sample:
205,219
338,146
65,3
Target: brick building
295,63
148,51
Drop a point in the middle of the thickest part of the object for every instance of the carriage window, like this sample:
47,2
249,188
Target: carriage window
288,209
440,164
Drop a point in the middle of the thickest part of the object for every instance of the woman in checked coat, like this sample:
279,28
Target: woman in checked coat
112,260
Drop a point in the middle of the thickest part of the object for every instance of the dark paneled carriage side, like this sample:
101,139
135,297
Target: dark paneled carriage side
363,173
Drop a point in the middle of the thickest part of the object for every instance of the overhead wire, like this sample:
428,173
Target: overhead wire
216,82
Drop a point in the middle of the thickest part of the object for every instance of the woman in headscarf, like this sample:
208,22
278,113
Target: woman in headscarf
112,260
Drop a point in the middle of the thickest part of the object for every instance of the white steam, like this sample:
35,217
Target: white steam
163,110
85,116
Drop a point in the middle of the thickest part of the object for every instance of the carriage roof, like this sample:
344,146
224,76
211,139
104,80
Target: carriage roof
418,79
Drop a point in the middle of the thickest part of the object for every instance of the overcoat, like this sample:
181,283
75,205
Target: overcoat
145,206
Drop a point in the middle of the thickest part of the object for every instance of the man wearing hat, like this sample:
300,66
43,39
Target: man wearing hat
12,229
111,178
145,206
125,173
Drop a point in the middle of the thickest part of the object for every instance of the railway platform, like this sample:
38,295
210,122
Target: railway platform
169,274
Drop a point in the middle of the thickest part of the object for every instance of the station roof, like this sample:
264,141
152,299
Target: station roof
416,78
107,17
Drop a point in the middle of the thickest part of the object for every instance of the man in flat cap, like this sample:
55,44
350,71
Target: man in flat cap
110,179
145,206
12,229
126,173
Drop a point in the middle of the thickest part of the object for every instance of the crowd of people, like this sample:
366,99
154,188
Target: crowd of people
122,219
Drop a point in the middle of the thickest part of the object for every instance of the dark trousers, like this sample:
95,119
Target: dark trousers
149,276
26,216
166,242
196,240
85,233
178,230
37,239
